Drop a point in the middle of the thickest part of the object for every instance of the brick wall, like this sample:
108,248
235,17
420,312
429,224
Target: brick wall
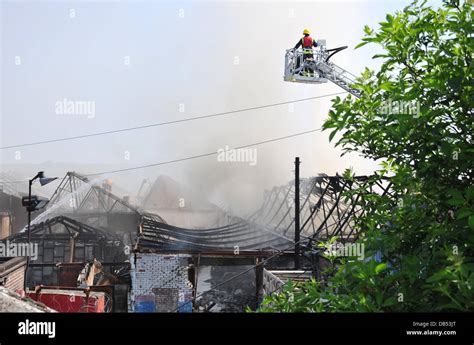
160,283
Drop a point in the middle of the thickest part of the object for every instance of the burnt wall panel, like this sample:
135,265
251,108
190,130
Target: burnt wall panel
233,296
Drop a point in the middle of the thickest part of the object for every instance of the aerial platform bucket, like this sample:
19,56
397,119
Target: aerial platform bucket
301,70
315,68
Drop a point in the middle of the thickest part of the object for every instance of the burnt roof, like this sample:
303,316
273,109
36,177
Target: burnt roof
156,236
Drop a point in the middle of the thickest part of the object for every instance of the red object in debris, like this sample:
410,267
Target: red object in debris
20,293
71,301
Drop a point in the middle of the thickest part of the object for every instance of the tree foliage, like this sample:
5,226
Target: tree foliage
415,117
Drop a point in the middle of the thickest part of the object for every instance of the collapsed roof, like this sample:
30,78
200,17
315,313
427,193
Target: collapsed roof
64,227
238,236
326,208
325,212
92,204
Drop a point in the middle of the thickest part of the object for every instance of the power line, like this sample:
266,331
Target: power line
166,122
187,158
204,154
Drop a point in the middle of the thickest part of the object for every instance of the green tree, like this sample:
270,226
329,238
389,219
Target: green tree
415,116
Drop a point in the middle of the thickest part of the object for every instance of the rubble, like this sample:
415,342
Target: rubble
10,302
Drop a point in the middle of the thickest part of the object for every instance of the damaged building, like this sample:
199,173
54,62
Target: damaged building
177,269
113,256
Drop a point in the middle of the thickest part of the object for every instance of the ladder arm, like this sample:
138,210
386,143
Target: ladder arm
338,76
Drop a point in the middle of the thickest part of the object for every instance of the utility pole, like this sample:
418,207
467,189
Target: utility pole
30,182
297,212
25,276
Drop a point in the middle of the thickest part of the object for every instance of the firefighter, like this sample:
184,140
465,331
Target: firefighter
307,43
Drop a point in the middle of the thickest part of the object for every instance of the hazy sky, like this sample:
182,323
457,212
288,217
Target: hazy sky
144,62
